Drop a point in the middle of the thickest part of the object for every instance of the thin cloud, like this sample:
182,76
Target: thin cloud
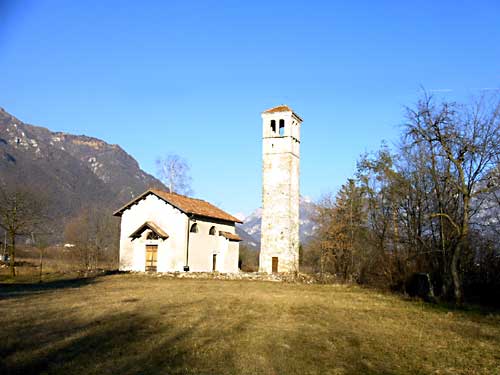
440,90
487,88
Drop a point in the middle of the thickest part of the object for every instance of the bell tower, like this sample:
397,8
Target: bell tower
279,250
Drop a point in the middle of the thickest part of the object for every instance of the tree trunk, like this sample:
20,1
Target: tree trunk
12,254
41,265
446,282
455,274
457,285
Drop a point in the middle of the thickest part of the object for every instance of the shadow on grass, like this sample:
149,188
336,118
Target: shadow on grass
124,343
21,288
466,309
14,290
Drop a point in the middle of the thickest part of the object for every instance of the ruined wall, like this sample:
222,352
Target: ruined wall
280,193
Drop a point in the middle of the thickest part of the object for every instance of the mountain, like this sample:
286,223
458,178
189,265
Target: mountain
249,231
73,171
76,171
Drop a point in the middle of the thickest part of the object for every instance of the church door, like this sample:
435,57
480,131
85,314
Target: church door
214,262
151,257
275,265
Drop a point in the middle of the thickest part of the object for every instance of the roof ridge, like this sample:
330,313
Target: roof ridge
180,195
186,204
279,108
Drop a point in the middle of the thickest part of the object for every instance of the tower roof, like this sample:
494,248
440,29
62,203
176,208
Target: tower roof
282,108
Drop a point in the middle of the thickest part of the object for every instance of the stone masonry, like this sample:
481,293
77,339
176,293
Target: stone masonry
280,191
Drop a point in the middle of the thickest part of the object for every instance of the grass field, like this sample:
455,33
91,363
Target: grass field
133,324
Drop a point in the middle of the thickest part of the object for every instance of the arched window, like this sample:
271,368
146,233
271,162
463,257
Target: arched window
212,231
273,126
282,127
194,228
152,236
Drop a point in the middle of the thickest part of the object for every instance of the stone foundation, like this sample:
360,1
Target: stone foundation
300,278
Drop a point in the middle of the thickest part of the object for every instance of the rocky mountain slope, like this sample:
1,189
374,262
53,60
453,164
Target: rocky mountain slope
72,171
75,171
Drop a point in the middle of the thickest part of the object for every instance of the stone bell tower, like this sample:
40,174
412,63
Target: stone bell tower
279,250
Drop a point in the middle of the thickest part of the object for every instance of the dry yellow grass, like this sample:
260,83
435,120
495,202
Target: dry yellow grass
130,324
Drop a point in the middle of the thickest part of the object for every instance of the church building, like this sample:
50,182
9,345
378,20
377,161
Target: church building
168,232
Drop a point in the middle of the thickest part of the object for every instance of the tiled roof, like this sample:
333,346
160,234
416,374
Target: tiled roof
185,204
282,108
230,236
151,226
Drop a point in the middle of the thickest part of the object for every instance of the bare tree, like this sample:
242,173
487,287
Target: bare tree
248,259
93,234
42,243
381,185
21,214
430,207
174,171
340,233
466,141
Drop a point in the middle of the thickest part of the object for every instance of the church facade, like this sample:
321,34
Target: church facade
167,232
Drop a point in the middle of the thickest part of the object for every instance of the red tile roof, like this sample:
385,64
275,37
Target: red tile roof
230,236
185,204
282,108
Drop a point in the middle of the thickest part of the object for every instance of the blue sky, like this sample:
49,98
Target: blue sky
192,77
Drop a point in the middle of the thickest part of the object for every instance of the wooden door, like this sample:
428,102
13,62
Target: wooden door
214,262
151,257
275,265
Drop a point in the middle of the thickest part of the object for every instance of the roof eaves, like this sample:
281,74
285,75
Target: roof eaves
233,220
297,116
230,236
282,108
165,199
151,226
119,212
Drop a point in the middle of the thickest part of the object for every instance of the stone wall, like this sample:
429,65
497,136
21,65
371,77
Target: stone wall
250,276
280,193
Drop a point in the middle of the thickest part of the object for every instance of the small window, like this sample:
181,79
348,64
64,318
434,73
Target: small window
194,228
212,231
152,236
273,126
282,127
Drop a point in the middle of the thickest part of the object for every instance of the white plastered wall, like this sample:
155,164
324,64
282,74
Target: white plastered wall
172,251
202,247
